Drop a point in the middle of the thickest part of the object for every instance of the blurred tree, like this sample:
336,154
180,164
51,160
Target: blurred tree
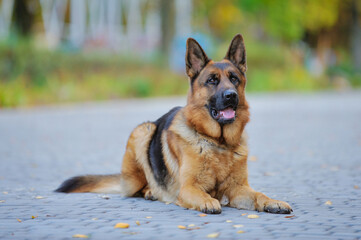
24,14
167,26
356,34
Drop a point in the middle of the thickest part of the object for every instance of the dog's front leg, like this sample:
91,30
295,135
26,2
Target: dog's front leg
244,197
193,188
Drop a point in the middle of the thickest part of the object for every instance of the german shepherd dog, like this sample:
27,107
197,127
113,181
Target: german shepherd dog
194,156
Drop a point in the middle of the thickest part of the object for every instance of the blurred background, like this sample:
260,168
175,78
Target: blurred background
55,51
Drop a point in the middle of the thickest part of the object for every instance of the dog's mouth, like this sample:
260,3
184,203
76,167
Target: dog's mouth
227,115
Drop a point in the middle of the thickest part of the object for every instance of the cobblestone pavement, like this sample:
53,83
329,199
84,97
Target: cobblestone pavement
305,149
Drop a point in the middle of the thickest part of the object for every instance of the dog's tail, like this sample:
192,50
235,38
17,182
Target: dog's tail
92,183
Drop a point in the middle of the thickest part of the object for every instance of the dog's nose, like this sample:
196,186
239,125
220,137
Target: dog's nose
229,94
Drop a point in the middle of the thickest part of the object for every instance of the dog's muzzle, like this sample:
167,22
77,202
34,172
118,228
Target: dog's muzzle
223,106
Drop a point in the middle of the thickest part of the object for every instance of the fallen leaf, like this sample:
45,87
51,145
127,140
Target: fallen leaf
213,235
33,217
328,203
2,201
240,231
253,158
229,221
167,203
137,222
243,214
94,219
148,217
290,216
238,226
191,225
121,225
193,228
253,216
18,220
39,197
80,236
356,187
182,227
202,215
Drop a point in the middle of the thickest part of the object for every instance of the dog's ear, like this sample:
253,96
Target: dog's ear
196,58
237,53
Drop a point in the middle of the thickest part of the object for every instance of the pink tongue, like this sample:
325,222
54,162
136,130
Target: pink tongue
227,113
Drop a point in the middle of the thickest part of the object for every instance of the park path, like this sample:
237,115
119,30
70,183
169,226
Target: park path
305,149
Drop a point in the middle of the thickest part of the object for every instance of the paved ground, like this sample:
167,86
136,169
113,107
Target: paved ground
306,150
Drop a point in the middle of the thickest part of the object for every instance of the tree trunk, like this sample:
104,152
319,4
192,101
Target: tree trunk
356,35
167,22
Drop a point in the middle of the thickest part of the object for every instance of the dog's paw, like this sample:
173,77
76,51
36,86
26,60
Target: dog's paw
275,206
211,206
149,196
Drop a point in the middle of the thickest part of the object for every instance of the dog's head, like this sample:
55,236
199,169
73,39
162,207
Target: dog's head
217,88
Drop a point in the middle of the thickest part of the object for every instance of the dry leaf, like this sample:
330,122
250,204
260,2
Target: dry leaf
213,235
253,216
253,158
33,217
356,187
240,231
80,236
18,220
148,217
182,227
202,215
39,197
290,216
137,222
328,203
243,214
167,203
121,225
229,221
191,225
94,219
238,226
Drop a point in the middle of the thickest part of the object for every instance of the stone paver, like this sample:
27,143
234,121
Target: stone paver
307,150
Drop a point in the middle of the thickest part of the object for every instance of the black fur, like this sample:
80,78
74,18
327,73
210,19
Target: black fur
71,184
155,154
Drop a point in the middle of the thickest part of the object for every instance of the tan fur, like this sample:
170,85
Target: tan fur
206,161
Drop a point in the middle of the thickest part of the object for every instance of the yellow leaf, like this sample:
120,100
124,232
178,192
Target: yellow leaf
229,221
137,222
328,203
253,158
33,217
202,215
39,197
238,226
253,216
240,231
18,220
213,235
121,225
356,187
94,219
191,225
80,236
243,214
182,227
148,217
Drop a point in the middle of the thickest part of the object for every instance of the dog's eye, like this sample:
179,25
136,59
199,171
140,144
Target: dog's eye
234,79
213,80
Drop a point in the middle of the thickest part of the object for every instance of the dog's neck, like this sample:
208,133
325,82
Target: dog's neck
224,134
